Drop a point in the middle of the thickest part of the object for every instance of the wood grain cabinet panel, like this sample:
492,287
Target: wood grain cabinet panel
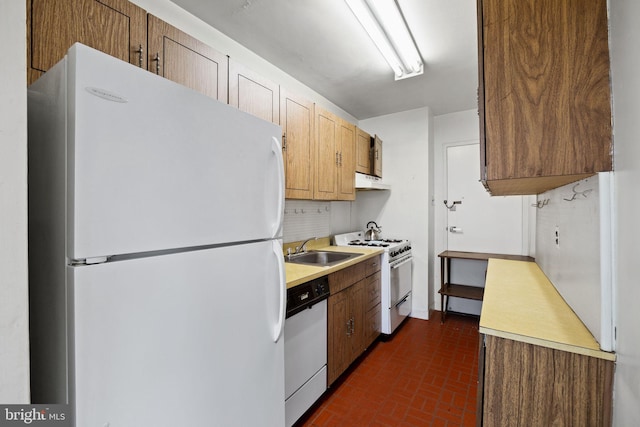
544,96
354,316
376,157
326,156
534,386
116,27
339,327
335,157
346,161
253,94
363,152
180,57
297,118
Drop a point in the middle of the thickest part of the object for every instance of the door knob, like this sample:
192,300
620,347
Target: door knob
454,229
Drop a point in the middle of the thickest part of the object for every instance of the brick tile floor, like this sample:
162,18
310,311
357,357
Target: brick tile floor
425,375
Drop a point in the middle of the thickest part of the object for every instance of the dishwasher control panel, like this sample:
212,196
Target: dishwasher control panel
306,295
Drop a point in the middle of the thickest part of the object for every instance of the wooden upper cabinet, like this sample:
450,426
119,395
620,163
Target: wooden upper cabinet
253,93
346,161
115,27
335,157
297,118
177,56
544,95
326,155
376,157
363,152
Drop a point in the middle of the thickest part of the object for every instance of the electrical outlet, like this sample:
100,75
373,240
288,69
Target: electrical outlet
557,236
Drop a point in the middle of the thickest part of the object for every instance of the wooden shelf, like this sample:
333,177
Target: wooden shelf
481,256
465,291
462,291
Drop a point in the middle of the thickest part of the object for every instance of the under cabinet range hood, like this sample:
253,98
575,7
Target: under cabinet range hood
370,182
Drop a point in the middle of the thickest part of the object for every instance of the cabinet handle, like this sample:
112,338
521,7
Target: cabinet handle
140,55
340,164
157,59
377,155
284,142
349,327
337,161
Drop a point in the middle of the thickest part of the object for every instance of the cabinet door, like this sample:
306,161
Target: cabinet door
186,60
376,157
373,325
327,155
357,301
253,93
297,117
339,330
544,93
346,161
115,27
363,152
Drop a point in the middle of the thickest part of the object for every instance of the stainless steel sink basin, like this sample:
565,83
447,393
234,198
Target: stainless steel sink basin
320,258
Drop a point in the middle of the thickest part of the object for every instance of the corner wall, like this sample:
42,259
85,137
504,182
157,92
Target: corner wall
404,211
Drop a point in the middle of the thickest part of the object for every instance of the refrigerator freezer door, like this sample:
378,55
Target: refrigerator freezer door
184,339
153,165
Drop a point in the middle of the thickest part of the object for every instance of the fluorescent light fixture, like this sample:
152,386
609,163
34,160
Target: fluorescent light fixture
385,25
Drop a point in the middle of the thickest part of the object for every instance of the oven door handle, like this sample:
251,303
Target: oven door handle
402,301
399,264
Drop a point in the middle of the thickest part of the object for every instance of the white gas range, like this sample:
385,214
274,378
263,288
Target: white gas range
396,276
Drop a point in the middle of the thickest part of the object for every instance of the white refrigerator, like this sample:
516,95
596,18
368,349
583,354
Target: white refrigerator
157,288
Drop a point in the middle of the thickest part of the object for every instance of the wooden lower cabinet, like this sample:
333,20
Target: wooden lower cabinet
353,314
373,317
528,385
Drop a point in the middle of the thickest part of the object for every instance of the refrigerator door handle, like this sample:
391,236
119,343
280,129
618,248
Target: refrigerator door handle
282,284
277,151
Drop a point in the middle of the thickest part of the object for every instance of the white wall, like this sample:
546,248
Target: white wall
403,212
14,336
578,265
625,63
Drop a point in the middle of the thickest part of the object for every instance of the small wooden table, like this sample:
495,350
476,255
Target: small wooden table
448,289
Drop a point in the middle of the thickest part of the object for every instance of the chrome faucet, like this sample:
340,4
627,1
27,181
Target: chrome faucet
302,248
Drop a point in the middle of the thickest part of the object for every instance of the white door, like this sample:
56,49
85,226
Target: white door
478,222
186,339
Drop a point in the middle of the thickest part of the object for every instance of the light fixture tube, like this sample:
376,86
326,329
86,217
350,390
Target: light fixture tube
391,19
370,24
386,27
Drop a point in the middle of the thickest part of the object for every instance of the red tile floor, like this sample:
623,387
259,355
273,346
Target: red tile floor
426,375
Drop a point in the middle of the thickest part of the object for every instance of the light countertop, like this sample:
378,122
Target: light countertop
521,304
300,273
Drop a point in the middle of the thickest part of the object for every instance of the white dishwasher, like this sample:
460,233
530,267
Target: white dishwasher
305,347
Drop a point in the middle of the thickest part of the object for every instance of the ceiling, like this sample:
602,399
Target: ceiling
321,44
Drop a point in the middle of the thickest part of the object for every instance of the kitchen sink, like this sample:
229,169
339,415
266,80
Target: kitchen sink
320,258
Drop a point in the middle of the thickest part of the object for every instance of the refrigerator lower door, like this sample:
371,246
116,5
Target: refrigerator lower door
186,339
